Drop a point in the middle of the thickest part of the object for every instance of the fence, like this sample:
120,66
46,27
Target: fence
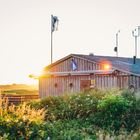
16,99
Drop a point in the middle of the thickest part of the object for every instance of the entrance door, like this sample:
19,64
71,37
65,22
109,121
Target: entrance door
85,84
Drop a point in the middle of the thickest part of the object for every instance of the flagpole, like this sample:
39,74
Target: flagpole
51,40
54,26
51,47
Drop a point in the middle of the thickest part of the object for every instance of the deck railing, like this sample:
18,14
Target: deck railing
16,99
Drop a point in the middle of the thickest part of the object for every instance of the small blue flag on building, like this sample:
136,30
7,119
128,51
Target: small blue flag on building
54,23
73,64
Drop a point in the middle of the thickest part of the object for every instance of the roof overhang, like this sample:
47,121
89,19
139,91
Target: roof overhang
89,72
128,72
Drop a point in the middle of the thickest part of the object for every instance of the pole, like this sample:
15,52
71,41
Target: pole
51,47
136,46
51,40
117,44
136,34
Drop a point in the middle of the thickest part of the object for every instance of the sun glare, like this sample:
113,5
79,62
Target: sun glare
35,73
106,65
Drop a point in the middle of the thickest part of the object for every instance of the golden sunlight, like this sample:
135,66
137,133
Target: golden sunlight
35,73
107,65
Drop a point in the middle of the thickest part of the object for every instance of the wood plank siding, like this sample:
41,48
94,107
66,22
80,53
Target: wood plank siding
55,85
59,85
82,65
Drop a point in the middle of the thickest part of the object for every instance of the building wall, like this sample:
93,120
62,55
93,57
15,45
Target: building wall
106,81
59,85
81,65
135,81
48,86
55,86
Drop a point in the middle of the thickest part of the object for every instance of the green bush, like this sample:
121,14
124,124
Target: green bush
68,107
71,130
93,114
133,118
105,109
115,113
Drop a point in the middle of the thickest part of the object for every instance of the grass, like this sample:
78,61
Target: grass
19,89
20,92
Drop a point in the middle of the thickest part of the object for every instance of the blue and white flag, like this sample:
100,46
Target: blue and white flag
54,23
73,64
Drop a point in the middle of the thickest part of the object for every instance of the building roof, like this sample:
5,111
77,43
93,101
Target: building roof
123,64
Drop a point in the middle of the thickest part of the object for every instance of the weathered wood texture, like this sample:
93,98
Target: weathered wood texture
82,65
54,86
58,85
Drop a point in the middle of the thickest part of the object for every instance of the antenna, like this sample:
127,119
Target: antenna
136,34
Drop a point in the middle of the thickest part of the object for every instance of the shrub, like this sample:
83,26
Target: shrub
68,107
105,109
114,114
133,118
84,116
70,130
21,122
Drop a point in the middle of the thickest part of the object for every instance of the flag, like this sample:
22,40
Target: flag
54,23
73,65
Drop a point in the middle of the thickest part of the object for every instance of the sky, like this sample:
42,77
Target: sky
85,26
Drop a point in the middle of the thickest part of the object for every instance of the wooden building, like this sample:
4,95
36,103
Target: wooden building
76,72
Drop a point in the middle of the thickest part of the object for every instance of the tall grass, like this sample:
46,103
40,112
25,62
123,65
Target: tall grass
21,122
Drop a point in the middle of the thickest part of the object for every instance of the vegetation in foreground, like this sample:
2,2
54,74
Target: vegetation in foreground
91,115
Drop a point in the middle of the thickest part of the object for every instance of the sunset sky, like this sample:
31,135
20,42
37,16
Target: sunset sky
85,26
